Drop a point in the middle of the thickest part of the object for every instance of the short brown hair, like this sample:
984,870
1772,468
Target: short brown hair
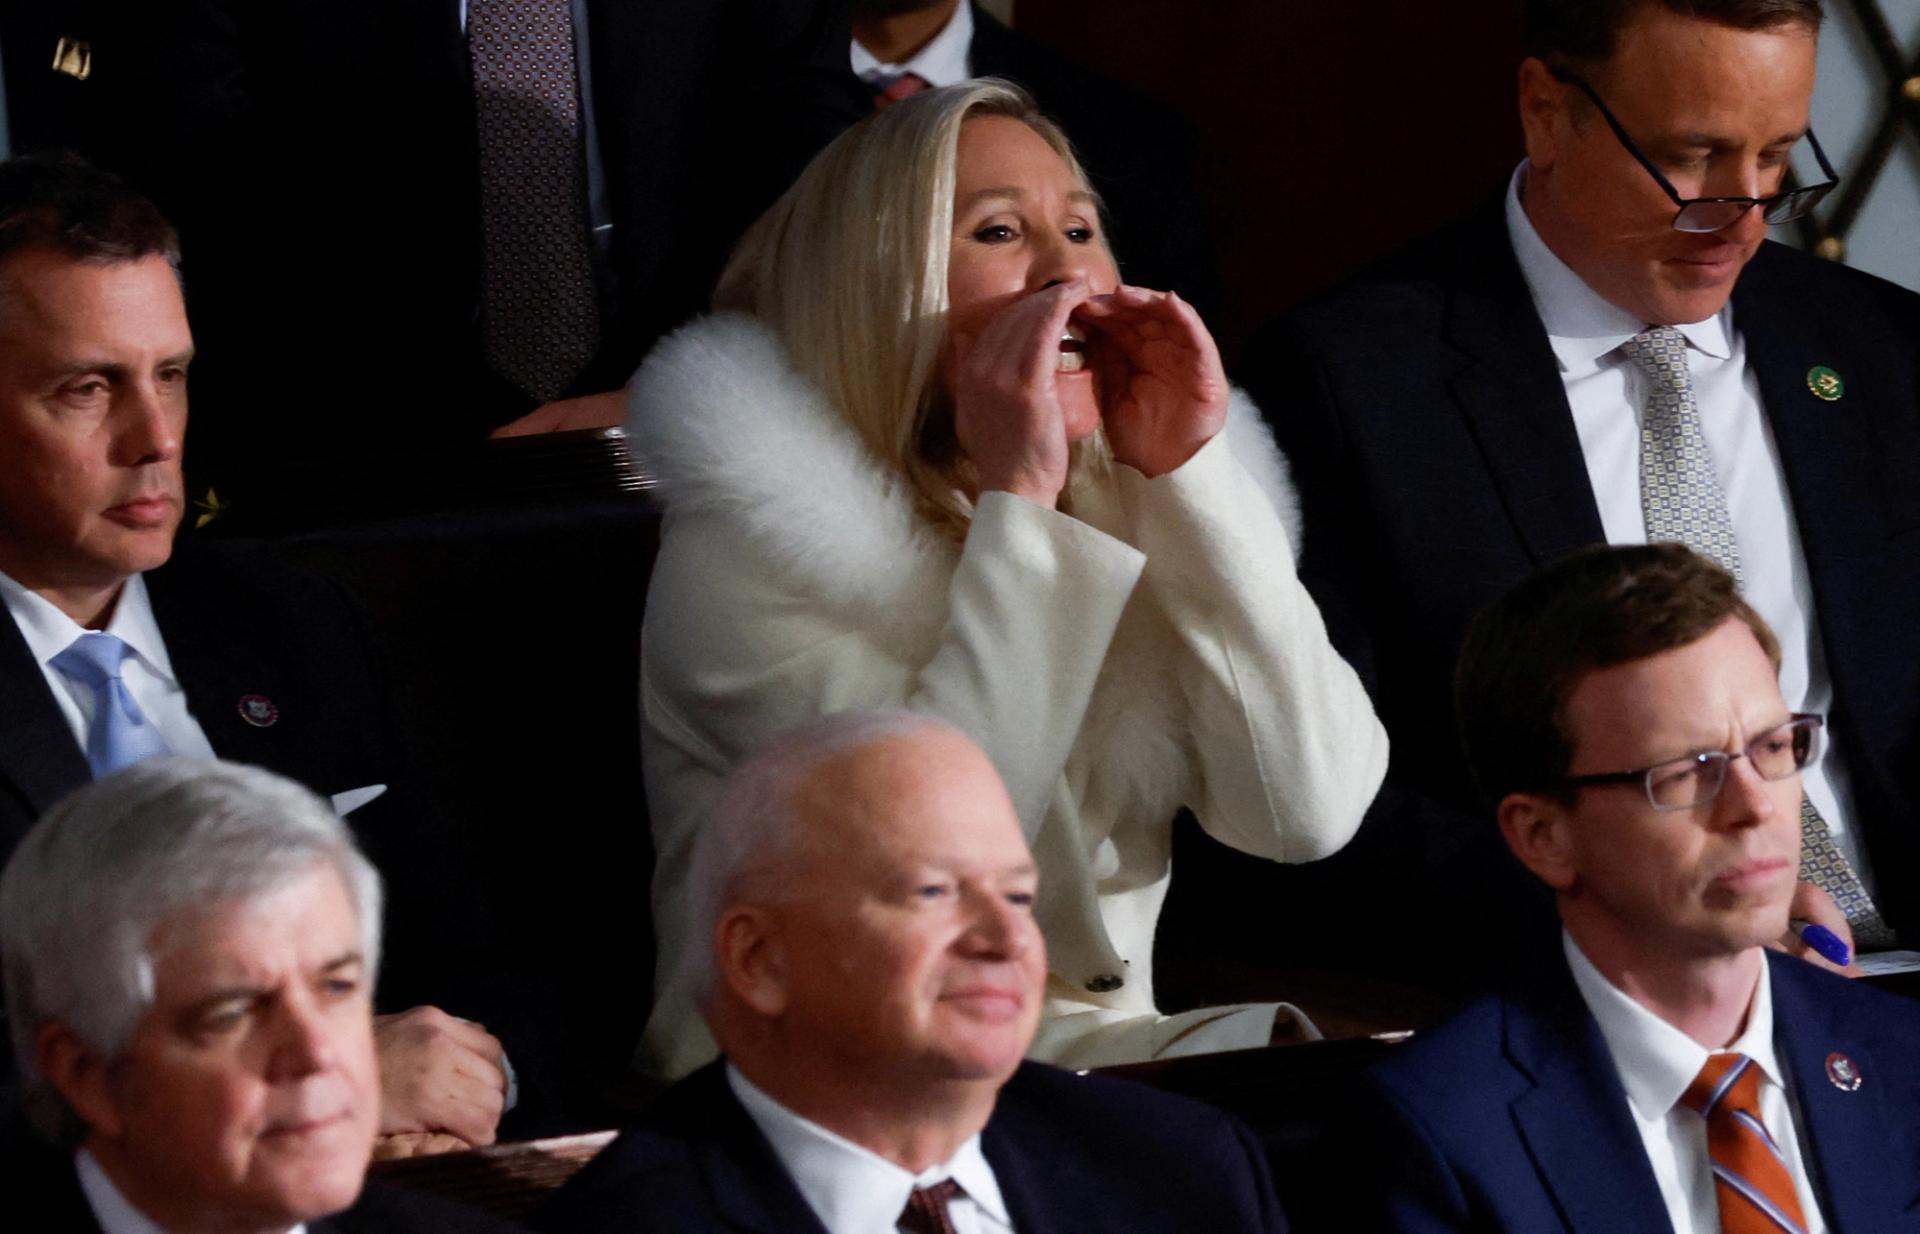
1586,31
64,203
1597,608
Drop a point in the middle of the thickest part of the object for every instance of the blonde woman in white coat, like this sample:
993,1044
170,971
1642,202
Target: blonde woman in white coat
929,452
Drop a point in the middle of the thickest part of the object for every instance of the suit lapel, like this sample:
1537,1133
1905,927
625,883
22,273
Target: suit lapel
1843,476
219,661
750,1187
1845,1139
38,755
1575,1120
1509,391
1032,1191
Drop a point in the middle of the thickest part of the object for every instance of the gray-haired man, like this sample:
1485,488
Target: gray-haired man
189,950
874,977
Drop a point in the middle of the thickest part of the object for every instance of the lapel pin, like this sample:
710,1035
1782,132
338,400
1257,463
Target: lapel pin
74,58
259,711
1841,1070
1825,383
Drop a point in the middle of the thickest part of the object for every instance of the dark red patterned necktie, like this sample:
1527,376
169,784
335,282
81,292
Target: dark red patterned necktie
926,1211
903,86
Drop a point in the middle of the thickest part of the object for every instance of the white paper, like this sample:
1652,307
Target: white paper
351,800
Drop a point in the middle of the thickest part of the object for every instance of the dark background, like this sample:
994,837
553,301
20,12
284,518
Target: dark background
1331,134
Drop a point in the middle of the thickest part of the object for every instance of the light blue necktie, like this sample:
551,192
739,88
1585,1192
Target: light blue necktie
120,734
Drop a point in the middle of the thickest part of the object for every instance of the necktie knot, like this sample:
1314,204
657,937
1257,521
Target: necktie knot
1727,1082
904,86
1752,1183
1661,353
119,733
93,659
926,1211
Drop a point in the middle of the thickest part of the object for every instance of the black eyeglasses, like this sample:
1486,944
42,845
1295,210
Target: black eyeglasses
1709,214
1696,779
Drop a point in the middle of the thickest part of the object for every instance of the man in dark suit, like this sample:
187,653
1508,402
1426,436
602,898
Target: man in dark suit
189,954
875,976
1663,1070
1495,398
112,652
347,133
1138,152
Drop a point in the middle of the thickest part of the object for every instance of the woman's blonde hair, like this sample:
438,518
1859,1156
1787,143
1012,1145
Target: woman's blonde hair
849,270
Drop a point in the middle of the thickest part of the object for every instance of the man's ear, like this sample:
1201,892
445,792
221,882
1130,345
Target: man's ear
79,1075
749,949
1539,831
1543,113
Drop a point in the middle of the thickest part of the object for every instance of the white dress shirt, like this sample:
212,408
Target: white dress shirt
944,61
1657,1062
115,1213
148,672
855,1191
1608,394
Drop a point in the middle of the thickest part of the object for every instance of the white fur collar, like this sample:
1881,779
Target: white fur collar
718,414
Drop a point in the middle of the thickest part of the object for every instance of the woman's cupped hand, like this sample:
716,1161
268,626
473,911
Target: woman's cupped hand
1147,368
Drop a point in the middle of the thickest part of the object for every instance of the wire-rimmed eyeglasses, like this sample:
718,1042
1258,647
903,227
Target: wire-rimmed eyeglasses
1696,779
1710,214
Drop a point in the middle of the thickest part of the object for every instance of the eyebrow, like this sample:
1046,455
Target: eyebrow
225,994
1716,141
1011,193
113,368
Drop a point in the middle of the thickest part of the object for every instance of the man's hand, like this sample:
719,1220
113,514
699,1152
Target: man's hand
416,1144
1812,903
588,411
439,1074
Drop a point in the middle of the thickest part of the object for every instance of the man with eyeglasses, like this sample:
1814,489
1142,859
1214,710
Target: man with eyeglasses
1614,353
1663,1070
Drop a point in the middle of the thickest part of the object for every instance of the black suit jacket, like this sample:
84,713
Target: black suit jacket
44,1189
1139,153
238,623
1071,1154
319,159
1438,464
1512,1117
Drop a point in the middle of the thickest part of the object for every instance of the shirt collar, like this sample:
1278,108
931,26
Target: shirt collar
850,1188
942,62
48,631
1656,1061
1582,325
114,1212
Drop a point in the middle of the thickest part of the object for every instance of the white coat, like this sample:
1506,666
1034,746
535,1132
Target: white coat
1153,650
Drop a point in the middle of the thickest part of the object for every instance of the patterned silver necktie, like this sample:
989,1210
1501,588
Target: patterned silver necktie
1823,864
1679,492
1681,497
539,318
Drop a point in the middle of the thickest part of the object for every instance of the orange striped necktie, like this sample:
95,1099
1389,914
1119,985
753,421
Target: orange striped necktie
1751,1182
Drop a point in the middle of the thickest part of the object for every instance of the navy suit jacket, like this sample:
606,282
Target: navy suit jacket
1438,464
1511,1116
1071,1154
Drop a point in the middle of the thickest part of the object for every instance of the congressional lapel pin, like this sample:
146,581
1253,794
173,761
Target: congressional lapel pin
1825,383
73,57
1841,1070
259,710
